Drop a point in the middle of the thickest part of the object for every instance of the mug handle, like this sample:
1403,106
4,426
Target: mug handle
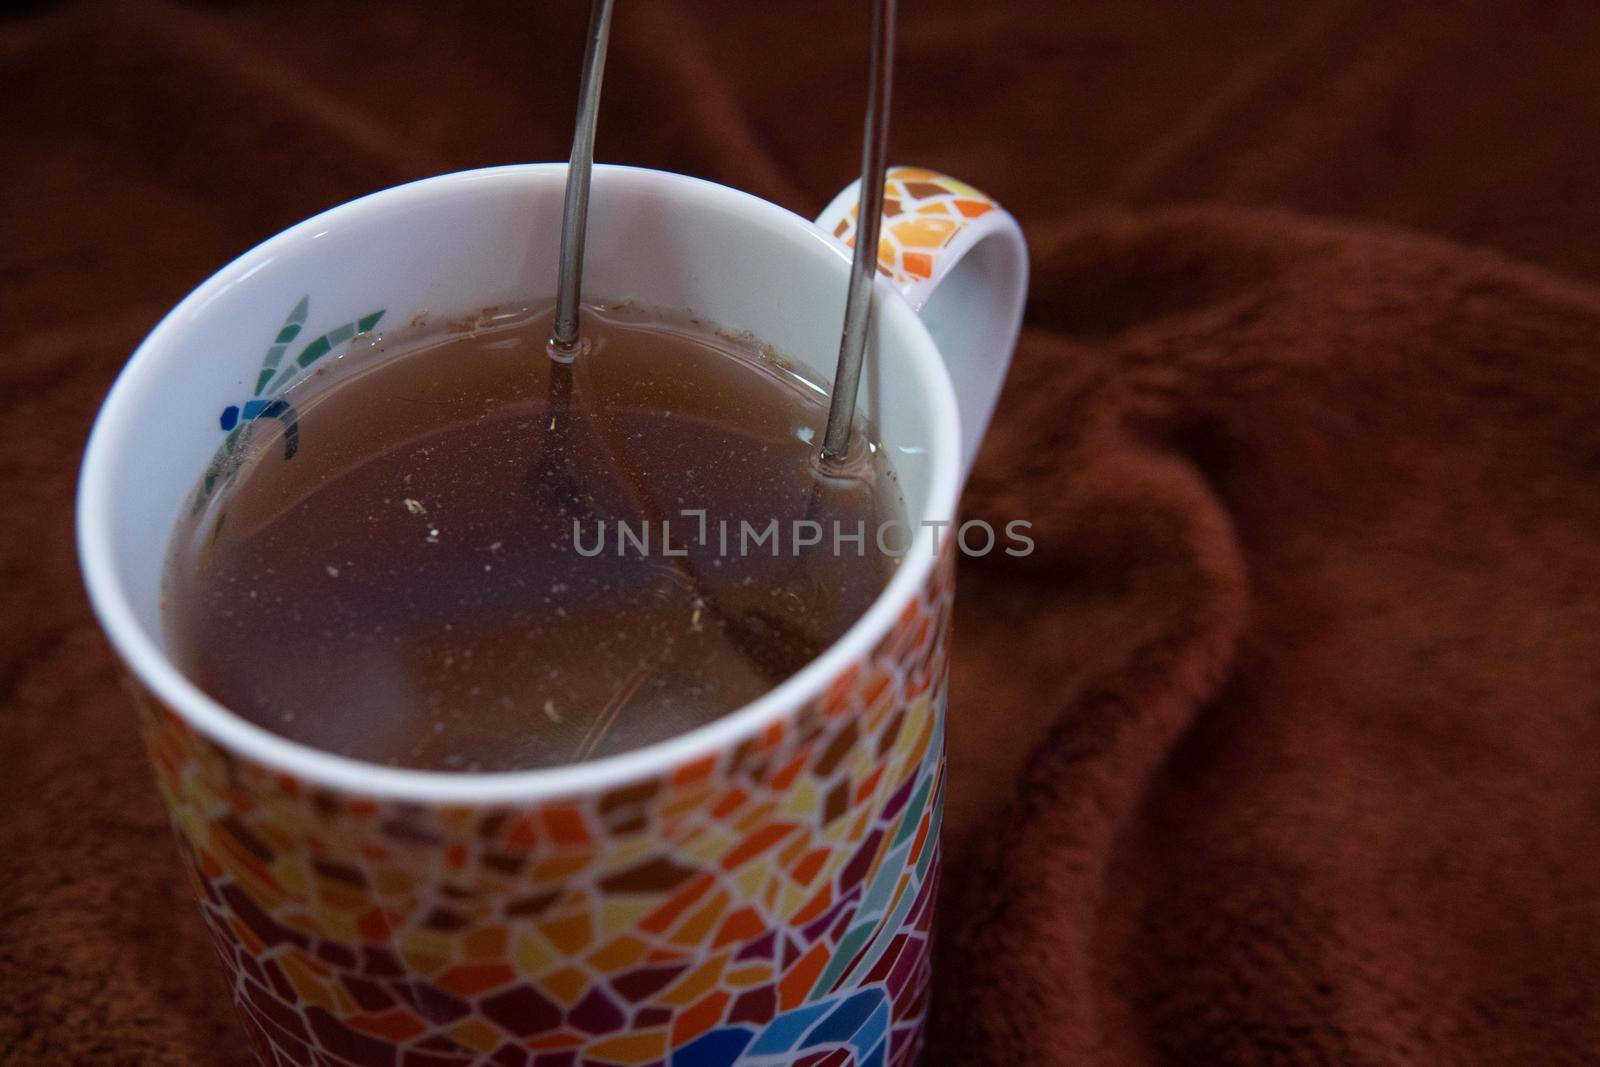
960,260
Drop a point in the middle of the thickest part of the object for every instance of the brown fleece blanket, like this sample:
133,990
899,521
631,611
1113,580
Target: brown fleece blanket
1284,748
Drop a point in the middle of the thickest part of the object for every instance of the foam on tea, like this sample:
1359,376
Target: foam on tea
477,558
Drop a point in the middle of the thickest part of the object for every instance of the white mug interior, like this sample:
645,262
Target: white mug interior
452,245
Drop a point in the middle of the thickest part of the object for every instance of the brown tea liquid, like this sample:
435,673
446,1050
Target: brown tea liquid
434,575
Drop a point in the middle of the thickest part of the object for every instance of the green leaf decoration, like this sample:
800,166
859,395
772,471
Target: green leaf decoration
318,347
288,332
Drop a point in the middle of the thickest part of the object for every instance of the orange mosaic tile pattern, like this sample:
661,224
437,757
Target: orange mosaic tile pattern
770,904
922,213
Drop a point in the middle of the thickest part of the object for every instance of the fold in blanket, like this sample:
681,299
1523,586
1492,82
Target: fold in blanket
1282,746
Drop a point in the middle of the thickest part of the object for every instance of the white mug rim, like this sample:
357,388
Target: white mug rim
141,652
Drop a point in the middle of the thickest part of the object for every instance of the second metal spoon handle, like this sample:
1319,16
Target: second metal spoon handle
858,302
575,214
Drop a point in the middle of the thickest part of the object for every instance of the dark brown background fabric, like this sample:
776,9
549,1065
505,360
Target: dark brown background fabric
1284,748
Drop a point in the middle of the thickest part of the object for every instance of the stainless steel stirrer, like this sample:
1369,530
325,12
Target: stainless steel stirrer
564,342
869,218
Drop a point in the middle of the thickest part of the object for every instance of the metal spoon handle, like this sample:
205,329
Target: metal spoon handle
869,218
575,214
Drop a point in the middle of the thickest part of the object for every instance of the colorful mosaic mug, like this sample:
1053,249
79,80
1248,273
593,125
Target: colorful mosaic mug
756,891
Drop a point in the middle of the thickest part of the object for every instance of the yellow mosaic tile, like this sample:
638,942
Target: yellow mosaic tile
560,868
641,1047
750,881
627,853
306,981
477,1035
709,847
533,954
689,988
744,977
753,815
699,924
624,914
566,984
570,935
618,954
